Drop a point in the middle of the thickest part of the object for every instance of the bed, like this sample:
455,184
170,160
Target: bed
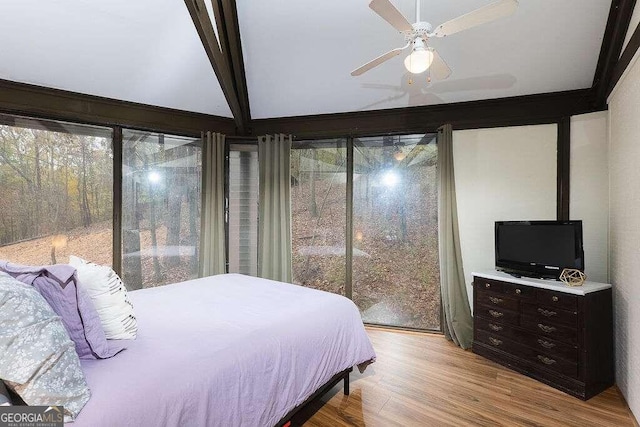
225,350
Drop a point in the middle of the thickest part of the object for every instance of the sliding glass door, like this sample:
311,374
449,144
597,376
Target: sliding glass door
161,181
318,214
372,237
395,231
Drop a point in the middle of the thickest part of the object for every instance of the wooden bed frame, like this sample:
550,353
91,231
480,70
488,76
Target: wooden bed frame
344,376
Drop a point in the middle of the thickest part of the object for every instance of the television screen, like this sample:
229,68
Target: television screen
539,248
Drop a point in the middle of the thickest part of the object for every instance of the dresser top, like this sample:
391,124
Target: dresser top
552,285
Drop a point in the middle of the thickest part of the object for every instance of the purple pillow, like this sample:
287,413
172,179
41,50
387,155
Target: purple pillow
58,285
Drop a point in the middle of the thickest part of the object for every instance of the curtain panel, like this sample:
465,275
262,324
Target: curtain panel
274,224
456,313
212,229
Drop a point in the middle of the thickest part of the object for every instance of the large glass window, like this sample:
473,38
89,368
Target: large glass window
318,214
243,208
395,231
57,191
161,182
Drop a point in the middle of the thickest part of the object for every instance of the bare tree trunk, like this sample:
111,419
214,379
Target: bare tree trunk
153,226
313,206
84,202
132,262
174,202
193,218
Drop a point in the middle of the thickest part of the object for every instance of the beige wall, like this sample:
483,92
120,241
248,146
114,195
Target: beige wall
589,193
624,231
501,174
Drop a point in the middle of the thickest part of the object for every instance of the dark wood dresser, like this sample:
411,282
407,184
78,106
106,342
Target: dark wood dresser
557,334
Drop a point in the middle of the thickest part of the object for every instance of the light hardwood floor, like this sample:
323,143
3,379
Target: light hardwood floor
424,380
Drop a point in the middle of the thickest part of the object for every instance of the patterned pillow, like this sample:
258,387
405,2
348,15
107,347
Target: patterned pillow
37,358
5,399
109,297
58,284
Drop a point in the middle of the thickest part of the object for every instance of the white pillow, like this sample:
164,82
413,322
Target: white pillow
109,297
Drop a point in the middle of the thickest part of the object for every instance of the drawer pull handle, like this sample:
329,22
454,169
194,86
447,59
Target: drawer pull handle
546,344
496,313
495,300
546,360
545,328
547,313
495,327
554,298
495,341
518,291
487,285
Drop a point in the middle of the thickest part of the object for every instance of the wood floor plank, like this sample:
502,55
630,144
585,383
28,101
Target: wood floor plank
424,380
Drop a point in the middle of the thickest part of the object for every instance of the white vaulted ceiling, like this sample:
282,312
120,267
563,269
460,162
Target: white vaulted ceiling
297,54
144,51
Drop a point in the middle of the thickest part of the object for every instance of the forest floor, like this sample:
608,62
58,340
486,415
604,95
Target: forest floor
94,244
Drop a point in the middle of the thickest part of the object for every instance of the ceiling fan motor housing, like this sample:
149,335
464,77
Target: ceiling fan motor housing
420,29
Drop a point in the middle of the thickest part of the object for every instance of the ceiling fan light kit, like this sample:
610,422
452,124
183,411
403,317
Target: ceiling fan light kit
423,57
419,60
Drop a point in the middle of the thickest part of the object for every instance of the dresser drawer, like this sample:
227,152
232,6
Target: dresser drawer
553,348
488,285
520,292
497,314
492,299
548,329
499,342
557,299
549,314
553,363
480,323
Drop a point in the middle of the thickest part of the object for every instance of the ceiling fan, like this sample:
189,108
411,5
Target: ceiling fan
422,56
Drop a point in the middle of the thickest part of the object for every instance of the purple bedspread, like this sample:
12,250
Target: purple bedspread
226,350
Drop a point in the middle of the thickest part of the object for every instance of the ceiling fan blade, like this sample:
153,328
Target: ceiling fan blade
379,60
439,69
488,13
389,13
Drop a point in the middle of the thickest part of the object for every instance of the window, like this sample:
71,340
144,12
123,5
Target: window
57,191
318,214
242,216
161,182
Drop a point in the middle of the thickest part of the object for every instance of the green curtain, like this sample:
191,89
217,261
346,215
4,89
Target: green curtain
457,322
274,224
212,236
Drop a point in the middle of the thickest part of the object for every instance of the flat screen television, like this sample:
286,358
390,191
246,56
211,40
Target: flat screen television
539,248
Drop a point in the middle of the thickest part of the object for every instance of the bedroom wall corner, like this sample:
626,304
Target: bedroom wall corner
589,183
501,174
624,231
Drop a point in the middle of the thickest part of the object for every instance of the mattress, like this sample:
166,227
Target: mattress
225,350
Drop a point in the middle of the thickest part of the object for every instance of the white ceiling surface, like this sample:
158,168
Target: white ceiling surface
145,51
298,54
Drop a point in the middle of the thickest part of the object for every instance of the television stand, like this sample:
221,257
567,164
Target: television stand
555,333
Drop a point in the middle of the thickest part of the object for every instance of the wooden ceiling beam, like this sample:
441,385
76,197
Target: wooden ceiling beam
226,16
625,59
47,103
221,67
513,111
612,42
